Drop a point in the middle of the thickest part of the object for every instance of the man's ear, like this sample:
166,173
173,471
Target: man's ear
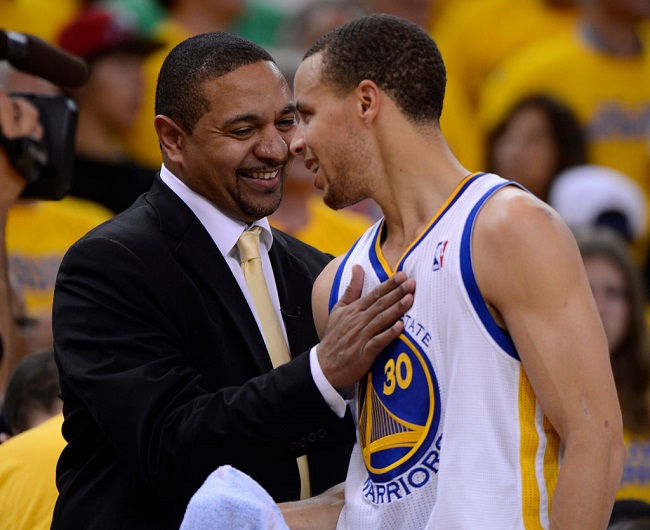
170,136
368,99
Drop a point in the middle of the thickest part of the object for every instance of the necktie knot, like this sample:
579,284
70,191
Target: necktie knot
249,245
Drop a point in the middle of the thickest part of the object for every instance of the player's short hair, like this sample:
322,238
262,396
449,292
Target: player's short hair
398,55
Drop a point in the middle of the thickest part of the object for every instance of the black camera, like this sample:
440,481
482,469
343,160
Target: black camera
47,164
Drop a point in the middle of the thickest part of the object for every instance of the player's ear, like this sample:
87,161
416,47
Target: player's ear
368,98
170,136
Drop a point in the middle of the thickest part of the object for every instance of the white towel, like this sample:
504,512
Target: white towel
230,499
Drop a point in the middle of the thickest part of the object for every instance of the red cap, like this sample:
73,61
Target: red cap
95,31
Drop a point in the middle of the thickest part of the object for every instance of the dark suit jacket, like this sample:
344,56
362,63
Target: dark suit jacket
165,376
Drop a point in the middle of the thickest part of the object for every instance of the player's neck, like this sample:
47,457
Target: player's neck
413,209
415,174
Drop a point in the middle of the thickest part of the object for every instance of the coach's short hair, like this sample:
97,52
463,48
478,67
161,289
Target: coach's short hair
204,57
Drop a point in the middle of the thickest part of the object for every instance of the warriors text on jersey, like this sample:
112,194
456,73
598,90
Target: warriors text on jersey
450,433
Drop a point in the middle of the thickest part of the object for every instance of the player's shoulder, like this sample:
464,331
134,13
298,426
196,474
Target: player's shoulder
515,221
512,207
326,277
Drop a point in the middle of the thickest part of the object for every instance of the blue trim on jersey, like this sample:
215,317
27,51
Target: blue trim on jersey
373,254
467,272
400,265
334,297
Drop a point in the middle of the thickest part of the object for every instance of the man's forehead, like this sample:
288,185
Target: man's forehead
260,76
252,111
308,74
256,86
311,67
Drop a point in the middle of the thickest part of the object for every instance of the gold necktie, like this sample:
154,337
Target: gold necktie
251,264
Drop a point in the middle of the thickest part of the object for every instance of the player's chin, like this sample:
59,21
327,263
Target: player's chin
338,201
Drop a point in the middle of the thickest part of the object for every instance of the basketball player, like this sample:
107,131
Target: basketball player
502,367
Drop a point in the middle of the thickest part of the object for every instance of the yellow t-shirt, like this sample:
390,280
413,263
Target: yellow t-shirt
43,18
331,231
28,476
38,234
635,483
609,95
474,36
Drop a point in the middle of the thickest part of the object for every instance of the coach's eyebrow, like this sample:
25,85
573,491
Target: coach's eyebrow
252,117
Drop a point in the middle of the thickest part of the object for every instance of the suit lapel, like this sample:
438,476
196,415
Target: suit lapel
194,247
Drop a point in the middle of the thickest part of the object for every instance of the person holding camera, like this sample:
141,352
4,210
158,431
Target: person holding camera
19,119
40,226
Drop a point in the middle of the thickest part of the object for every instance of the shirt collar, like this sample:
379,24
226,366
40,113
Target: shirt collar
223,230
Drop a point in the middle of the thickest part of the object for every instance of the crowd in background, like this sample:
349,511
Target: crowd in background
553,94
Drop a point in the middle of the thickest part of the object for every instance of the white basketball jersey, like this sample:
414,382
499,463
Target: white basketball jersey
450,435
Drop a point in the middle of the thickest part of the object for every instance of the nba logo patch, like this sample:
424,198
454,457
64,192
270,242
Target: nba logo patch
439,255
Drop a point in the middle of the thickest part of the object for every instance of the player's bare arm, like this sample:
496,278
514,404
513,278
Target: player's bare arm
320,295
531,275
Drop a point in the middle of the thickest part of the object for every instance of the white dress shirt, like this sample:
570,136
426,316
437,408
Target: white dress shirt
225,233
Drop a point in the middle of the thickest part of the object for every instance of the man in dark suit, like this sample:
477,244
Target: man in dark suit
165,374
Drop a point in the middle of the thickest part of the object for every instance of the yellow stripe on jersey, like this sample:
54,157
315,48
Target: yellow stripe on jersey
530,497
551,459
